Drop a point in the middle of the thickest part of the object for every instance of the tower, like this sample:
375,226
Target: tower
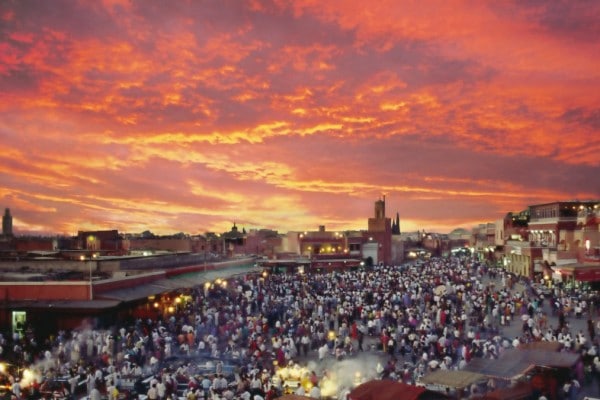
380,232
7,223
380,209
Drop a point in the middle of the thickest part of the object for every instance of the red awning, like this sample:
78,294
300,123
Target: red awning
385,390
587,275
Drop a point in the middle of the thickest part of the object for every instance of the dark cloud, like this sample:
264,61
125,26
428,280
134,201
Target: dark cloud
568,20
79,20
20,79
574,20
583,117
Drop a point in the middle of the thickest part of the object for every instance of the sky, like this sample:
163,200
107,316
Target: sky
189,116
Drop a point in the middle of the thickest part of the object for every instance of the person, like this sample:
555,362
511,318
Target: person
16,389
361,337
152,392
161,390
206,385
574,390
300,391
191,395
112,393
95,394
315,392
570,389
323,350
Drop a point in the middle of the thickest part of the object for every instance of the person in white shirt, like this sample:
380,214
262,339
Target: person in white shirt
16,389
152,393
323,350
95,394
300,391
315,392
161,390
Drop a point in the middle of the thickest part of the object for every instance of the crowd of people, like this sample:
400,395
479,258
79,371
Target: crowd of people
255,336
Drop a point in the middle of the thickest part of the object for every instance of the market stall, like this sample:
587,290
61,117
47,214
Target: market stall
391,390
453,381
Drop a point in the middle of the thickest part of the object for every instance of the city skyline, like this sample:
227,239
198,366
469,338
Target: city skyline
190,116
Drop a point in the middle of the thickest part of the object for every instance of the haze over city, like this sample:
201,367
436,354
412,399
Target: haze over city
189,116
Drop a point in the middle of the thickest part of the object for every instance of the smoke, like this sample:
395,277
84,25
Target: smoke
345,374
67,351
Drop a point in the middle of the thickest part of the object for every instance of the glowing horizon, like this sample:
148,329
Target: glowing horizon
188,116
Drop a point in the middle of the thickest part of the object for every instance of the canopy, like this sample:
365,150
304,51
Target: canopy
540,358
452,378
135,293
385,390
503,368
516,362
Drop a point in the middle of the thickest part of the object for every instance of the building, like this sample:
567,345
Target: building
55,294
7,224
554,242
315,244
575,256
176,243
108,241
484,241
373,245
379,236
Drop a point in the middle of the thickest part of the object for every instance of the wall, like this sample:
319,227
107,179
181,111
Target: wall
371,249
80,290
397,250
168,244
15,291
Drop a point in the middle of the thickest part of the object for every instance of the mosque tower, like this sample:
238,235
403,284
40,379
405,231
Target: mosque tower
380,231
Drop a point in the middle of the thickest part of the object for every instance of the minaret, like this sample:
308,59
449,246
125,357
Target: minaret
7,223
380,209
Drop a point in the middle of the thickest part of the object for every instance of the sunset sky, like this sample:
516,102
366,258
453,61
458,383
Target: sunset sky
185,116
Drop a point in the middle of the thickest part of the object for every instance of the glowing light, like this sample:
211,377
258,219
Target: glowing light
329,388
28,378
